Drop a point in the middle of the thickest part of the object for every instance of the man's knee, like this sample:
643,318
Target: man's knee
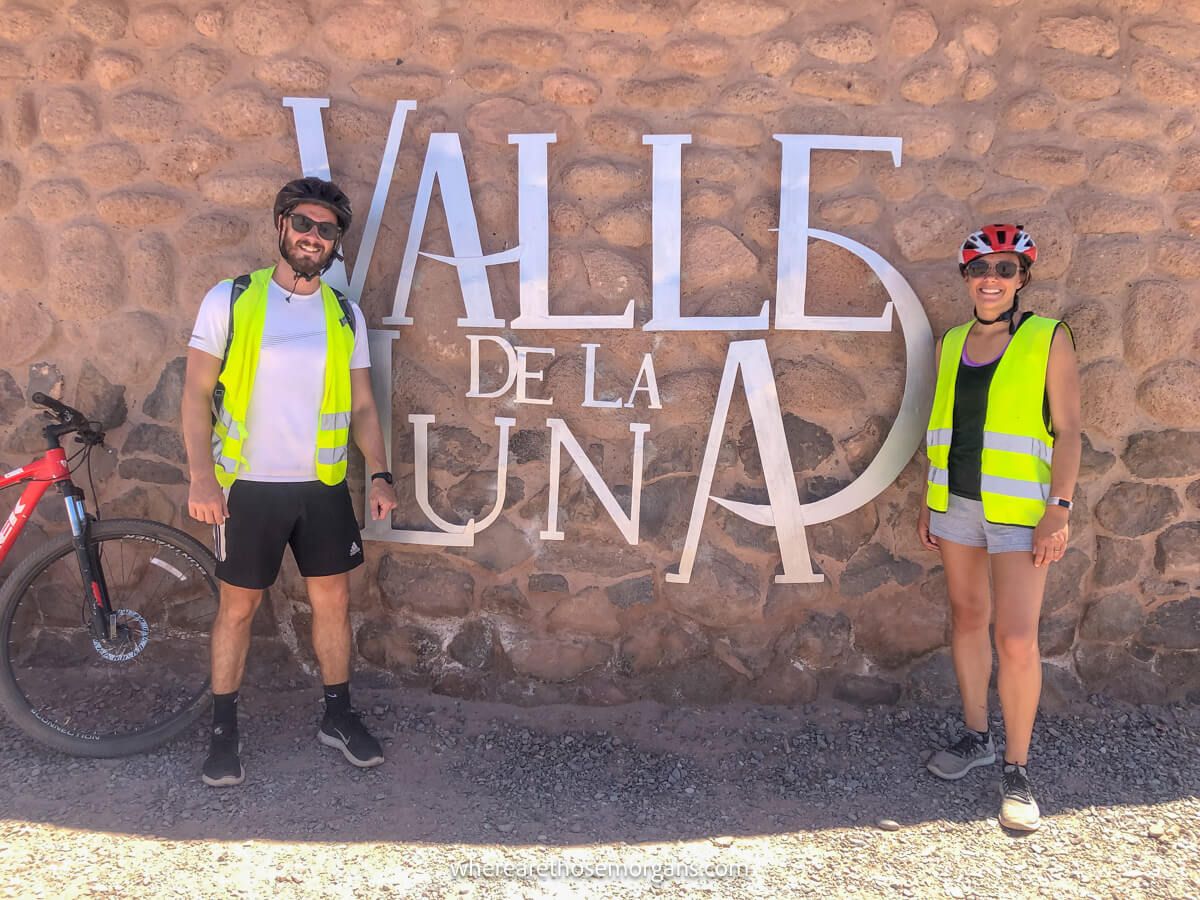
238,605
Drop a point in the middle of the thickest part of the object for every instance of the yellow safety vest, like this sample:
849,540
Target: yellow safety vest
237,378
1017,444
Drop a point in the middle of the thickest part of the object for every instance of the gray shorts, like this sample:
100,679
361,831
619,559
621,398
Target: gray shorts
963,523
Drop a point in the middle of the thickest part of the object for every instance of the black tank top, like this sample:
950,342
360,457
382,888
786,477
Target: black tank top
966,439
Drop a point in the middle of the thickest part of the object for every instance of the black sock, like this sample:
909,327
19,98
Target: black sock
983,735
225,712
337,699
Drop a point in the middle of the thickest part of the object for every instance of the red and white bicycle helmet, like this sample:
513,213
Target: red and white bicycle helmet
998,239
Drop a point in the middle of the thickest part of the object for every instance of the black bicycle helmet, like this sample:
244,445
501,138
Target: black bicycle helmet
314,190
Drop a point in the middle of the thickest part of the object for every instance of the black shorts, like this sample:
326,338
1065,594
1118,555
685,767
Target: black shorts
315,519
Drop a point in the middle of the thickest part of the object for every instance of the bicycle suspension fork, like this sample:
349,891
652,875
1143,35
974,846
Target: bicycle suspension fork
87,554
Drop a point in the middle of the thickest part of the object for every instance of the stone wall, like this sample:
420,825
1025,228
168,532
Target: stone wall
141,144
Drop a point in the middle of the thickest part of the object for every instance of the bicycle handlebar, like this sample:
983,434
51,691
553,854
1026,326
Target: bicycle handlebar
70,418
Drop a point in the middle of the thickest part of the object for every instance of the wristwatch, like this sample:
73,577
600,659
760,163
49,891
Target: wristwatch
386,476
1059,501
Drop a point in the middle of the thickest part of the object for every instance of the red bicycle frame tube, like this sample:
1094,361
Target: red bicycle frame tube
41,473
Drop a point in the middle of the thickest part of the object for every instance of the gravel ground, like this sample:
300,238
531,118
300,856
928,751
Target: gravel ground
740,801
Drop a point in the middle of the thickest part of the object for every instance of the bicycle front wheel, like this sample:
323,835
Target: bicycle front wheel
90,697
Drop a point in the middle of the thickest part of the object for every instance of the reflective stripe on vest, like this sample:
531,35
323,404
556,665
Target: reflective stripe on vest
1017,445
237,378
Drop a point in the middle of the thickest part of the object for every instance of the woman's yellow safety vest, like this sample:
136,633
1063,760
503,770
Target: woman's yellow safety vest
237,379
1017,443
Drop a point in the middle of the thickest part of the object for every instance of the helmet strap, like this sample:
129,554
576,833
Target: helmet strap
1006,316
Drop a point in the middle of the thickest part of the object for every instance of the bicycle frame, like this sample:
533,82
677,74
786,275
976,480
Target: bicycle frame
47,470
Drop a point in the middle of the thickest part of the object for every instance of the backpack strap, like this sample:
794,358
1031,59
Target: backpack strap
239,287
348,317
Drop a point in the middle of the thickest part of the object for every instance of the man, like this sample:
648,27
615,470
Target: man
278,378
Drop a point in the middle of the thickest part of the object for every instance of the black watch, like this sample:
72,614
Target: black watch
386,476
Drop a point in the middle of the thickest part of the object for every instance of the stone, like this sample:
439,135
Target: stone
899,626
588,613
493,120
369,30
960,178
1018,199
680,92
151,471
65,59
138,207
1163,454
639,17
1171,394
570,89
737,18
846,44
775,57
625,594
196,70
158,25
425,584
809,445
713,255
524,49
407,649
1181,671
981,35
113,68
300,75
499,547
12,400
618,59
165,443
164,401
214,230
137,329
698,56
845,211
1175,625
1100,214
67,118
101,20
144,117
141,503
1131,169
109,164
152,272
874,566
1193,493
723,590
547,583
912,32
1033,111
929,85
492,78
930,231
1180,128
1122,123
626,226
819,641
842,537
1186,174
855,87
1044,164
926,136
933,680
1161,81
13,63
78,289
267,27
27,329
615,277
1061,690
783,683
978,84
100,399
23,240
476,645
247,112
441,46
865,690
617,132
1082,82
1105,265
506,599
1117,560
1187,216
250,190
600,554
727,130
1111,670
1177,552
57,200
557,660
1132,508
1086,35
1113,618
1176,255
827,388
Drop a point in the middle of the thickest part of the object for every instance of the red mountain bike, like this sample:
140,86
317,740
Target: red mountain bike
104,630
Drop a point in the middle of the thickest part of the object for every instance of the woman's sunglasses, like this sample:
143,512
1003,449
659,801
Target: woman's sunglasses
302,224
1005,268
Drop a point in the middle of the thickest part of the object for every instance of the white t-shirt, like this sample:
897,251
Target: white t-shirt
289,383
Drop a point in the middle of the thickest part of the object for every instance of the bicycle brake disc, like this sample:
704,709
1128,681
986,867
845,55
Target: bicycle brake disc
133,631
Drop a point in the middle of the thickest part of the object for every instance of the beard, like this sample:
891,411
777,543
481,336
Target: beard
307,265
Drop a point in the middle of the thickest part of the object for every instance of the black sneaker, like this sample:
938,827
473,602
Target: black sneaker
1018,809
223,768
348,734
959,758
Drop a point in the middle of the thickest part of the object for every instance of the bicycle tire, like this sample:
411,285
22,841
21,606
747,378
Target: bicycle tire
17,588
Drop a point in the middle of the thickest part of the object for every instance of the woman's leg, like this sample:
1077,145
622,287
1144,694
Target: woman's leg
970,610
1019,587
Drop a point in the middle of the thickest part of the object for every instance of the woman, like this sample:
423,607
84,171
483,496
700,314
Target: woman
1003,447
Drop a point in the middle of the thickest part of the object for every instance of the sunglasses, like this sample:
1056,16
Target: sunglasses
302,224
1005,268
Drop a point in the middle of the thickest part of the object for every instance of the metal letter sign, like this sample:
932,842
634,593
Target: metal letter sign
784,512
